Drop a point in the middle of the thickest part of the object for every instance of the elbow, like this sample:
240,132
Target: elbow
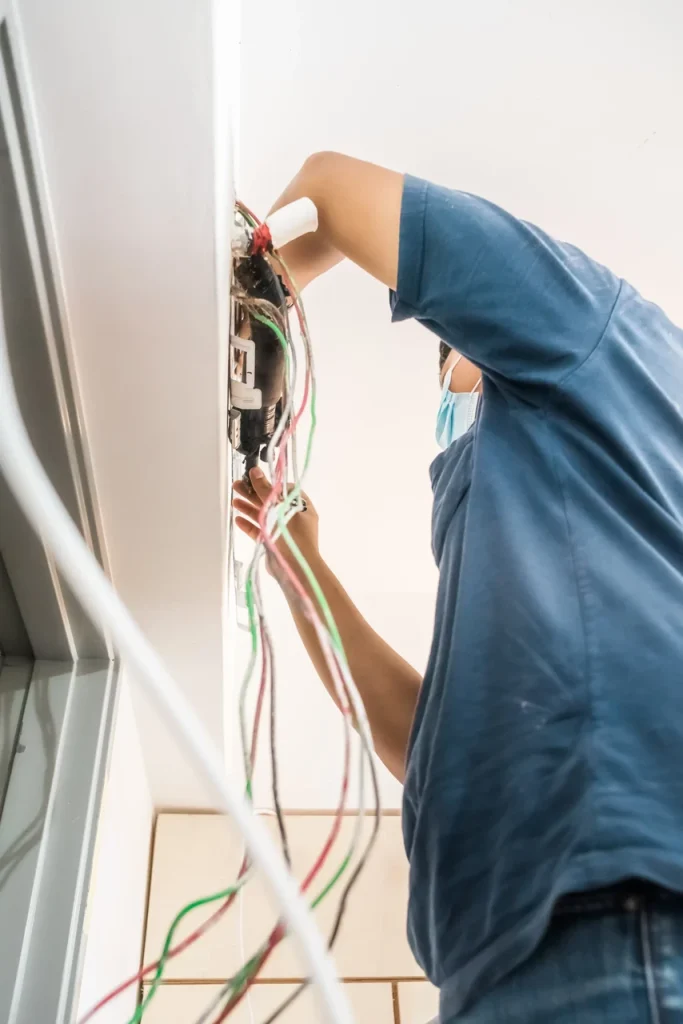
322,163
319,174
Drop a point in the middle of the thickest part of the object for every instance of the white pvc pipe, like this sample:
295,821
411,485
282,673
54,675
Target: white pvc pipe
292,221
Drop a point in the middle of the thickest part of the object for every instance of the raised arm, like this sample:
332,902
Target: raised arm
359,210
524,307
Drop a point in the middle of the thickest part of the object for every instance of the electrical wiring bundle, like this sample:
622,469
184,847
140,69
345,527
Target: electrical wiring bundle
265,419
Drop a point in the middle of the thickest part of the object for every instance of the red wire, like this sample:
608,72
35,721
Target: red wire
291,288
241,206
176,951
259,700
278,932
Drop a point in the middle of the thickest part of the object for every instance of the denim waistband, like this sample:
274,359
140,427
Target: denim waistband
623,897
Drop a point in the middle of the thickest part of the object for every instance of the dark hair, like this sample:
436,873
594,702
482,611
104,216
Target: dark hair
444,352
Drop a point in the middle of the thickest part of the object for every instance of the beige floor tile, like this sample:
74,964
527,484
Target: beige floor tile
418,1002
183,1004
195,856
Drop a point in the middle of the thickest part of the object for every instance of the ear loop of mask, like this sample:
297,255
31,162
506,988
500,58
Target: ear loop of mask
449,376
474,394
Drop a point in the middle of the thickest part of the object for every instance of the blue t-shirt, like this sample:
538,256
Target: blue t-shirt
546,754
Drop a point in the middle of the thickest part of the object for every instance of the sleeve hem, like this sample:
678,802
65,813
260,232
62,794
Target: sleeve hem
406,298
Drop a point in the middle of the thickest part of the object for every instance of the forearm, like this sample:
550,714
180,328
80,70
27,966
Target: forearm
387,684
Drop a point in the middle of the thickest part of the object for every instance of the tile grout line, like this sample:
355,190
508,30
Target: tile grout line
294,981
148,899
300,812
394,998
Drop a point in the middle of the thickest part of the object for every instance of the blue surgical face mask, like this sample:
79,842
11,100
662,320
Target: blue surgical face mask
457,411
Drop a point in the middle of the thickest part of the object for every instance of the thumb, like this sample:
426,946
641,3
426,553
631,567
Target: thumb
260,483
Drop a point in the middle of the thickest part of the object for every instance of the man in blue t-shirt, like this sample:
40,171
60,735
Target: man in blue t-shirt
543,806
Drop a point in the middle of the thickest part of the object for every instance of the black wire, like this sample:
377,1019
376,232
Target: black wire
343,902
274,770
357,871
341,910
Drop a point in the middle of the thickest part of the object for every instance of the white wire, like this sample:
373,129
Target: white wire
208,1013
339,671
338,667
242,896
43,508
243,954
274,441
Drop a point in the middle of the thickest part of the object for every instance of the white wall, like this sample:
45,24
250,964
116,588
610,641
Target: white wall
133,120
116,909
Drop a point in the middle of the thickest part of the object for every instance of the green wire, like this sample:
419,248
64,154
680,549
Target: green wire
288,502
240,979
239,982
247,216
137,1016
249,594
282,510
242,976
284,506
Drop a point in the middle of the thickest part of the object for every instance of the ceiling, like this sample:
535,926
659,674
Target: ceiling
566,114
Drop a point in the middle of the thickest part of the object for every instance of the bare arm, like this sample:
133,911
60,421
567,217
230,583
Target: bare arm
359,211
387,684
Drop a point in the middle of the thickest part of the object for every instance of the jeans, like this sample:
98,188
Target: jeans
610,957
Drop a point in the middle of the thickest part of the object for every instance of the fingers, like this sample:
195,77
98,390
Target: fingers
239,487
246,526
260,490
263,488
246,508
250,502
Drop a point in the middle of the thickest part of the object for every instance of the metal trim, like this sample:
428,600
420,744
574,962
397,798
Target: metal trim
47,838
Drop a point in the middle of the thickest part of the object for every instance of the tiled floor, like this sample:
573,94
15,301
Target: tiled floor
196,855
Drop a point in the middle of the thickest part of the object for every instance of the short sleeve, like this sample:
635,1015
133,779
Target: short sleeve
519,304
